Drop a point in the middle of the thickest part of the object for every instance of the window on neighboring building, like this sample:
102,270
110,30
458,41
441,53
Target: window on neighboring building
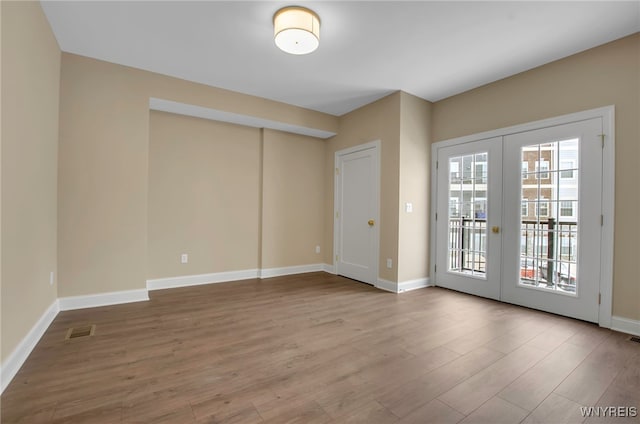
525,169
566,208
542,169
524,209
543,209
567,171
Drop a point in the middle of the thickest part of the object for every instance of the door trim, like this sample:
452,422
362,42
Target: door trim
607,114
337,206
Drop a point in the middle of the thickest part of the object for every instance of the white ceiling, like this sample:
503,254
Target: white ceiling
368,49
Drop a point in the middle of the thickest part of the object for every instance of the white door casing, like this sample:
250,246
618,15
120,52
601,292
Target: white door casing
356,215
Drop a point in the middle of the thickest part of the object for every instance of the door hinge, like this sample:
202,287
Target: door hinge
602,139
337,171
436,164
599,298
337,215
336,257
436,216
601,220
435,268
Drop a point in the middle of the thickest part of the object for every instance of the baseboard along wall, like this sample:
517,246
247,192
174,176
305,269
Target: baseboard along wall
402,286
14,362
625,325
223,277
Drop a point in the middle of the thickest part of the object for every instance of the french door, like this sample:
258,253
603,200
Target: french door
519,218
553,186
469,210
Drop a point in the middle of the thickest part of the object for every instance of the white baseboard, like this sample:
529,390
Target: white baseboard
102,299
386,285
329,268
196,280
13,363
413,284
289,270
403,286
223,277
625,325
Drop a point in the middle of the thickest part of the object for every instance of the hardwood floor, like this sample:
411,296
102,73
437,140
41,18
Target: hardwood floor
317,348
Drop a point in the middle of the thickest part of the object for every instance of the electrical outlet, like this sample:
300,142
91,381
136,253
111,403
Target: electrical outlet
184,258
317,249
389,263
51,278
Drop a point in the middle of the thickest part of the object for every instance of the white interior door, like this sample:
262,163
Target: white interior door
552,219
468,220
356,221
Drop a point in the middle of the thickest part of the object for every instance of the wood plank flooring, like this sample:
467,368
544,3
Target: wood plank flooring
317,348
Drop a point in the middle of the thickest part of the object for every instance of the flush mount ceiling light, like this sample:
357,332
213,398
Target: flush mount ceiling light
296,30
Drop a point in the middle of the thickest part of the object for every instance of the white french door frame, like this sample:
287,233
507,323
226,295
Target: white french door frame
607,114
337,204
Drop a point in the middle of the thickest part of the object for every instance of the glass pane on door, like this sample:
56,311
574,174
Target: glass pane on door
549,216
467,220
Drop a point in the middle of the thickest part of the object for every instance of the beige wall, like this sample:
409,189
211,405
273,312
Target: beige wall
102,185
402,123
415,168
606,75
203,196
30,88
293,199
104,154
231,197
379,120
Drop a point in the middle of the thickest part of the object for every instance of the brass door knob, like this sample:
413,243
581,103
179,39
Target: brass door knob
371,222
495,230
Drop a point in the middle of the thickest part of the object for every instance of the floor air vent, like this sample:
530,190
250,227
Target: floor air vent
77,332
635,339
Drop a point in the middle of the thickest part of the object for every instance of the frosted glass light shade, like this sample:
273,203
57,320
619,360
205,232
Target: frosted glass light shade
296,30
